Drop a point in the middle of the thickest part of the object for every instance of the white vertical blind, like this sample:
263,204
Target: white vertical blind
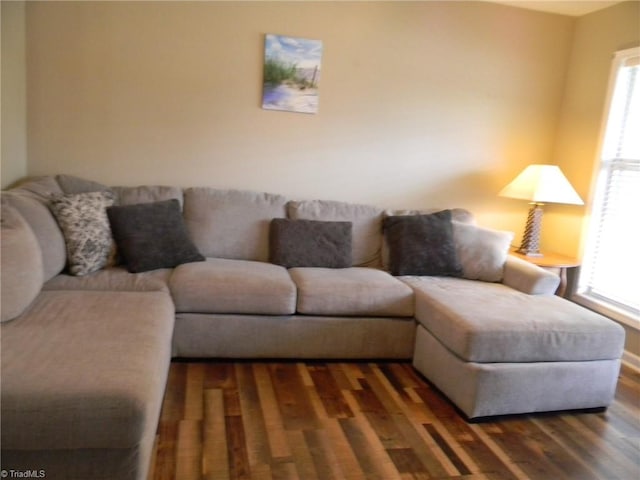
611,269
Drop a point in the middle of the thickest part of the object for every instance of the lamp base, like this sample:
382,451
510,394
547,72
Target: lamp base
529,254
530,245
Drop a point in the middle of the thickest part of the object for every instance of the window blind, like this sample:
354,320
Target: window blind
611,266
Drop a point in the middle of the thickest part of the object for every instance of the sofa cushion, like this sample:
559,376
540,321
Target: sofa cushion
461,215
35,210
152,235
422,244
231,223
42,188
116,279
233,286
310,243
70,184
83,220
22,272
366,223
351,291
85,370
146,194
482,252
490,322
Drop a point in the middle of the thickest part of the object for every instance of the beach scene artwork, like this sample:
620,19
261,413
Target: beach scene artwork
291,74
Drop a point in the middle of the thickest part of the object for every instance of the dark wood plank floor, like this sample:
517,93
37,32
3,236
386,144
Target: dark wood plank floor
368,421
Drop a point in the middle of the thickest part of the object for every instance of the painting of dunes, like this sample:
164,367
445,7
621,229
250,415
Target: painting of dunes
291,74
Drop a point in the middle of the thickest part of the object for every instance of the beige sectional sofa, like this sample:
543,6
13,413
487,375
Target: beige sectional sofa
85,358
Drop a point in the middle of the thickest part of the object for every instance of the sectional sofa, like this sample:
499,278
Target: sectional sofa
102,286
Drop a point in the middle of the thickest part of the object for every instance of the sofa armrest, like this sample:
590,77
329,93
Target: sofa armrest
529,278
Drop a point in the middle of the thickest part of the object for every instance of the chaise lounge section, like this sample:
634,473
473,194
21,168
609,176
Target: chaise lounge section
535,353
85,357
83,369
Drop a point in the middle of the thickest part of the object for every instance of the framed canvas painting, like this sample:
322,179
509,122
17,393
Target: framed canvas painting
291,73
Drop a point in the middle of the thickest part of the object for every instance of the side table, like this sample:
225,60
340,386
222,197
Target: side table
553,262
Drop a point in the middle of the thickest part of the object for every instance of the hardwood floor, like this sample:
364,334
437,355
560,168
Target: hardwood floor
366,421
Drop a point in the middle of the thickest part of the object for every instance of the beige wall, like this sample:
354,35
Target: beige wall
597,36
13,126
421,103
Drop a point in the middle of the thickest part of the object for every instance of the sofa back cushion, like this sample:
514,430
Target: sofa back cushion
366,223
71,185
146,194
31,199
22,272
42,187
231,224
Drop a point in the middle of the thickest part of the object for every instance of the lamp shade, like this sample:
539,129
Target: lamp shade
542,184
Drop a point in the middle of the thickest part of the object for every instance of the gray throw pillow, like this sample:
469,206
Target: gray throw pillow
310,243
366,224
152,235
83,220
422,245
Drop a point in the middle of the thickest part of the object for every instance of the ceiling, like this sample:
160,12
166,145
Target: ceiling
573,8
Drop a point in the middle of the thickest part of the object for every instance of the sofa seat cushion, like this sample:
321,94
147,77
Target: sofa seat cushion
233,286
490,322
116,279
351,291
85,370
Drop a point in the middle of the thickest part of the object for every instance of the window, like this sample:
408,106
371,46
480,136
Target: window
609,278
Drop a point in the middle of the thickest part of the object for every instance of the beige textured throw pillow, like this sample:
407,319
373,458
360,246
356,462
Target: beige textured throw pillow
83,220
481,251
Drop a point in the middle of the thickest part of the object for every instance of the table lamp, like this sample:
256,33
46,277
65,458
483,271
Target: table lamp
539,184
